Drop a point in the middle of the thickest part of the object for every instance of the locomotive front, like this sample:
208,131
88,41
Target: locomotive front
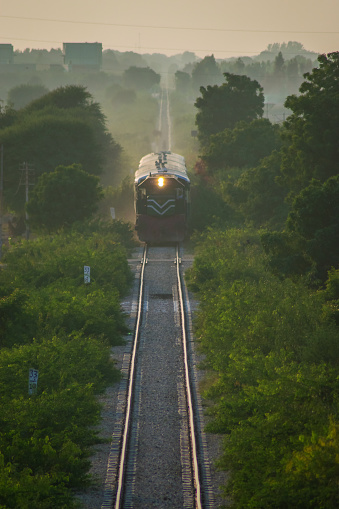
162,198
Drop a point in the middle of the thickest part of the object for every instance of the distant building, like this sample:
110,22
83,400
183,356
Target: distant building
82,55
7,63
6,54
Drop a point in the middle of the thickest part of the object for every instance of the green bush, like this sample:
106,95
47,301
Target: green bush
273,347
18,322
53,322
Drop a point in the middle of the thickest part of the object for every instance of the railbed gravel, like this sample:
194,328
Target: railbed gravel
158,468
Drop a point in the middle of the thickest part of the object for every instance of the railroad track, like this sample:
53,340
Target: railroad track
164,128
158,457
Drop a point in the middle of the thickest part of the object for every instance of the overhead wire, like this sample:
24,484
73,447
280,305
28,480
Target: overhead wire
161,27
169,27
157,49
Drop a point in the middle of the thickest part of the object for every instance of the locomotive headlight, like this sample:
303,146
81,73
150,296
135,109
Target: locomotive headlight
161,182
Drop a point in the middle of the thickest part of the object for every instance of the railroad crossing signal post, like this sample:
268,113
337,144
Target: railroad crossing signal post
28,172
33,376
87,274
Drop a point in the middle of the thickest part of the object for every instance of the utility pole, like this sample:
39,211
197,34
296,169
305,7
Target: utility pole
26,183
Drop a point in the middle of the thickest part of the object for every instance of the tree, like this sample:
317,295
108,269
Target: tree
313,127
142,78
315,208
71,96
256,194
130,58
63,127
46,142
77,101
315,216
62,197
310,244
182,82
243,146
22,95
8,116
187,57
279,64
239,66
289,50
206,72
221,107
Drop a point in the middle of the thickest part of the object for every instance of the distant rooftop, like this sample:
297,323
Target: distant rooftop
6,54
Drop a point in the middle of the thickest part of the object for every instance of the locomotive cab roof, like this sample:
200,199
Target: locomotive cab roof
162,163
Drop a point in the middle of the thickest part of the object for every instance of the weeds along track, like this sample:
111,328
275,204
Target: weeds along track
158,456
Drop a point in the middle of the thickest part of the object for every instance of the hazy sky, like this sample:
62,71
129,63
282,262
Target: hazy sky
221,27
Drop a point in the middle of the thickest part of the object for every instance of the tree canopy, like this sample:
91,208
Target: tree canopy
182,82
22,95
62,127
243,146
313,128
315,216
142,78
71,96
221,107
51,321
62,197
268,315
256,195
315,208
206,72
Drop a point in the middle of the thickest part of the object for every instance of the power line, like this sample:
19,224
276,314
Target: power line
203,29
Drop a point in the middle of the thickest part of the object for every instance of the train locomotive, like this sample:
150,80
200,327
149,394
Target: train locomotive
162,198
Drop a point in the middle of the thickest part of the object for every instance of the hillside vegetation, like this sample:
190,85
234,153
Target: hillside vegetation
266,273
51,321
265,221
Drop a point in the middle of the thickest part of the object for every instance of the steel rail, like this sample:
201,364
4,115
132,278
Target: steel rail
194,451
169,125
123,454
160,110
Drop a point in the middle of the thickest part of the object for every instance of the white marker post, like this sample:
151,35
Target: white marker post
87,274
33,381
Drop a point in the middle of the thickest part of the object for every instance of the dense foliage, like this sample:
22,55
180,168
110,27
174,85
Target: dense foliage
120,198
242,146
268,318
63,197
21,95
279,70
142,78
310,244
274,348
204,73
313,128
261,171
221,107
53,322
63,127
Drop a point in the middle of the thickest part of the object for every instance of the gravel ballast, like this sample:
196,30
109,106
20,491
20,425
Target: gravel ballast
157,461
